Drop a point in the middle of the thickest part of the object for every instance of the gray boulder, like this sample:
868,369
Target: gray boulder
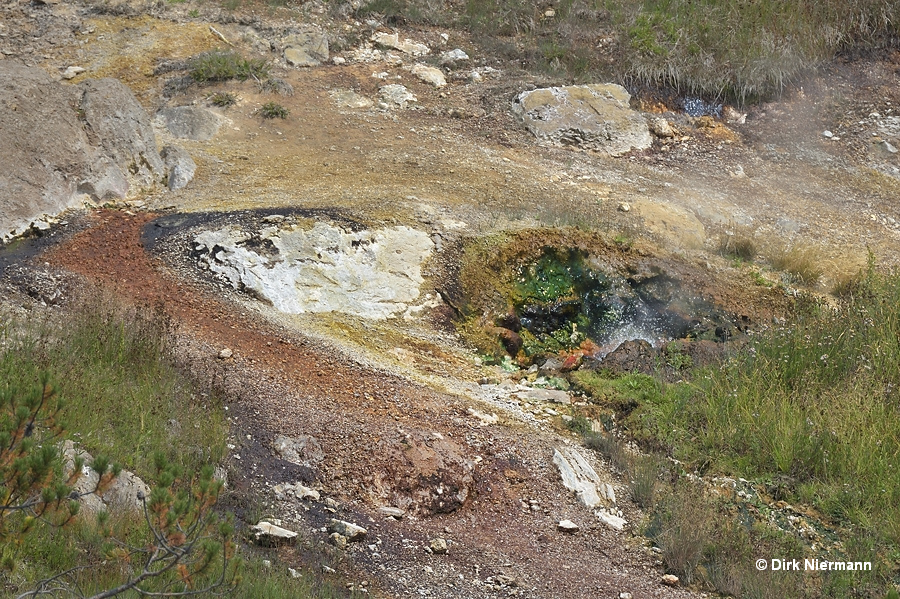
395,95
303,450
180,166
352,532
61,141
593,117
309,49
124,129
269,534
122,496
189,122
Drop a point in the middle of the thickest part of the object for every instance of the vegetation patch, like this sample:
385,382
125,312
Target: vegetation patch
124,395
223,99
741,51
114,388
808,414
273,110
801,263
224,65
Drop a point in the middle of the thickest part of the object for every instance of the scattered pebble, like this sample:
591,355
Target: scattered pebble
438,546
567,526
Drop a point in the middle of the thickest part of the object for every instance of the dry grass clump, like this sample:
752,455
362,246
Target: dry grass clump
738,243
803,263
740,51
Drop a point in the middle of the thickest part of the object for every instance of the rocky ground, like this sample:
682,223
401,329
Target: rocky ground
392,413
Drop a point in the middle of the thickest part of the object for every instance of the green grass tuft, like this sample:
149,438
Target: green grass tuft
223,99
273,110
220,65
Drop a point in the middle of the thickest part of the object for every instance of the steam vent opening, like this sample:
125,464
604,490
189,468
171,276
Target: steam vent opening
575,304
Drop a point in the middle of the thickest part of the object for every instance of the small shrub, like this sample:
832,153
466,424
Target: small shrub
644,477
681,528
272,110
676,358
579,424
223,99
274,85
221,65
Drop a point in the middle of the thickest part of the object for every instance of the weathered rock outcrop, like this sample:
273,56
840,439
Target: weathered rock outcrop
122,495
307,49
180,166
189,122
594,117
123,130
63,144
374,274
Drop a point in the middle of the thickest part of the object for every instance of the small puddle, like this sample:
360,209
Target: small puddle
544,293
567,297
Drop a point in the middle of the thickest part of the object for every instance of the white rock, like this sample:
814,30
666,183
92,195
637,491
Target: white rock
429,75
670,580
396,95
567,526
393,512
306,493
486,419
613,521
578,475
608,493
551,395
392,40
660,127
339,60
350,99
350,531
453,57
225,354
268,534
72,72
123,495
827,134
372,274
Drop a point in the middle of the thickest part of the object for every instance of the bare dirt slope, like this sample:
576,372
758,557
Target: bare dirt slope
391,404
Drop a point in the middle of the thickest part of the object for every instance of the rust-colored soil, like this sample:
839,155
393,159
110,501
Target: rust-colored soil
378,431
